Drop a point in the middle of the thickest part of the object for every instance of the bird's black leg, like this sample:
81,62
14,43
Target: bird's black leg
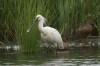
56,49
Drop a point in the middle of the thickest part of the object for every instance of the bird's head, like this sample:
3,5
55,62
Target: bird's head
39,18
92,22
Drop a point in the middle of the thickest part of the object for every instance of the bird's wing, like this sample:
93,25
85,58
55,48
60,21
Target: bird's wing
51,30
55,34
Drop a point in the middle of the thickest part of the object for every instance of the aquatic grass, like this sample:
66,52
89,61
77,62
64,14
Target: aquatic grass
64,15
6,22
74,13
68,12
19,15
24,19
25,14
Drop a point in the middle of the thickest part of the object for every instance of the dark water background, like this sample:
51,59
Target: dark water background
82,56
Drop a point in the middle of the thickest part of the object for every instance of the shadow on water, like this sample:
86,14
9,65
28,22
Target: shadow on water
81,56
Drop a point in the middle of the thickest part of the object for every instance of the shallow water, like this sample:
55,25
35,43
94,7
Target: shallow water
84,56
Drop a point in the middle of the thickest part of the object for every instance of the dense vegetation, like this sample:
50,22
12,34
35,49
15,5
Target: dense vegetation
64,15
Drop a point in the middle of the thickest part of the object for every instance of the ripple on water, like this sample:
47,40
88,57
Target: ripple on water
32,61
0,61
59,62
90,65
73,58
8,64
98,56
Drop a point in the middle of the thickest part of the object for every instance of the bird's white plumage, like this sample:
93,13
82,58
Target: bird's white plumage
49,34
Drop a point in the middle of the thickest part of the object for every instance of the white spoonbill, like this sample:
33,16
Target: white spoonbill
50,35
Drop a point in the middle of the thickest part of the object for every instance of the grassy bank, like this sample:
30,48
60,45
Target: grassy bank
64,15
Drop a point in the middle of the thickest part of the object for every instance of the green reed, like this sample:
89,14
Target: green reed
64,15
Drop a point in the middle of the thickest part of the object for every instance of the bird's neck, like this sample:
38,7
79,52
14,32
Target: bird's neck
40,25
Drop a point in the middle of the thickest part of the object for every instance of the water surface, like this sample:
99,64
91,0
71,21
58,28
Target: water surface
84,56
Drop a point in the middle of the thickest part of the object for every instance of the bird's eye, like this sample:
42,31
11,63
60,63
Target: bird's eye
38,18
